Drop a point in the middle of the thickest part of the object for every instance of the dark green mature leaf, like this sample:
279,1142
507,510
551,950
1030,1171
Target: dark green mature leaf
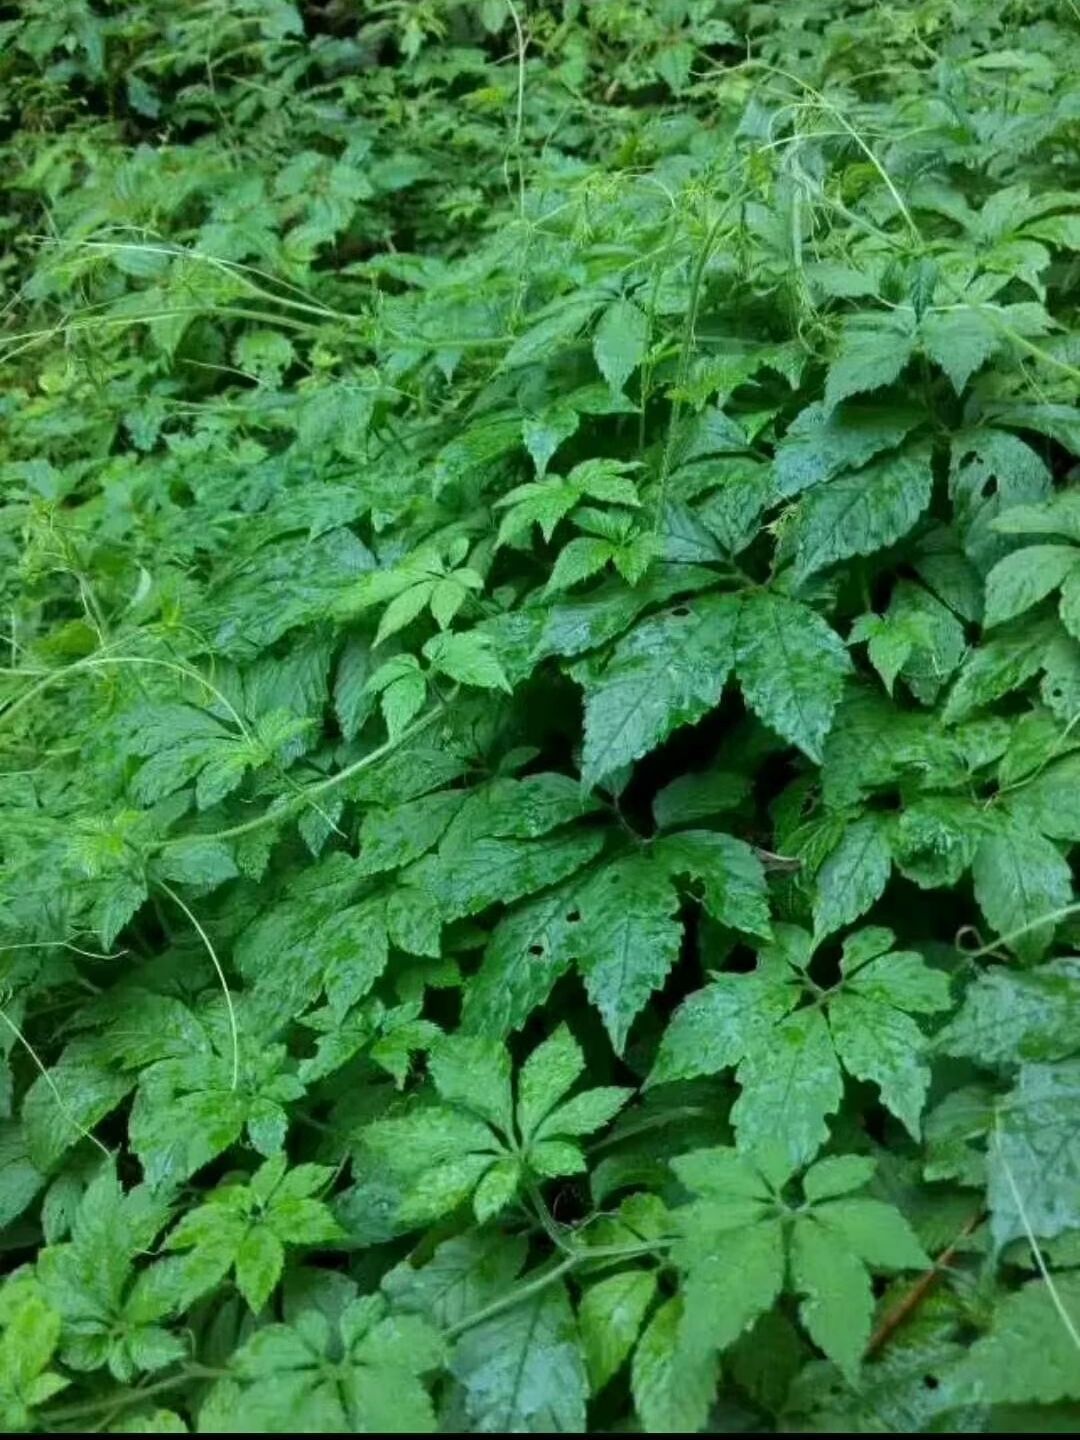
873,351
819,443
791,667
788,1053
669,671
730,875
734,1241
1022,885
861,511
672,1387
627,938
853,875
464,1274
960,341
620,341
1024,578
610,1318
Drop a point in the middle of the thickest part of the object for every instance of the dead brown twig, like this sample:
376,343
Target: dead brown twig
909,1302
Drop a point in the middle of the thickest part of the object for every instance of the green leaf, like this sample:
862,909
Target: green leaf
528,950
28,1340
20,1179
1059,515
467,658
248,1226
819,443
997,667
187,1111
1069,605
587,1112
669,671
1031,1351
286,1384
402,691
545,432
836,1175
395,837
110,1314
1025,577
577,561
862,511
58,1111
789,1088
465,1273
672,1388
546,1076
260,1258
791,667
474,1075
627,939
746,1266
839,1303
547,335
875,1036
523,1371
960,341
438,1154
732,881
787,1063
466,879
698,796
1011,1016
620,342
1033,1156
853,876
610,1316
714,1027
873,351
1021,883
876,1232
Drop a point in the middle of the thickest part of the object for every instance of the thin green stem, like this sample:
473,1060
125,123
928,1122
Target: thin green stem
513,1298
233,1029
276,816
1051,917
43,1071
127,1398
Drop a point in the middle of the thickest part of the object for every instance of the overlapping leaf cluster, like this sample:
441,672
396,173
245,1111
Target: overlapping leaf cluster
539,765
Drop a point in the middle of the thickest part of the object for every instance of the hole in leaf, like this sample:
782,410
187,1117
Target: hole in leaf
536,949
931,1382
681,610
573,917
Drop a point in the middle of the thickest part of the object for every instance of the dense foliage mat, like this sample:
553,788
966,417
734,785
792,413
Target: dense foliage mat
539,764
